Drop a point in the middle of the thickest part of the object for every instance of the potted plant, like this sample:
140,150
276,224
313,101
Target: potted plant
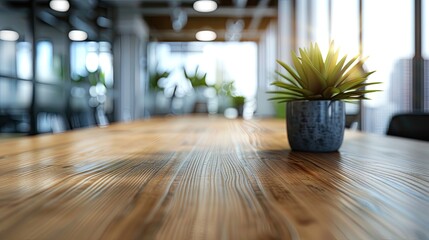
226,91
199,84
238,103
315,90
197,80
155,100
154,79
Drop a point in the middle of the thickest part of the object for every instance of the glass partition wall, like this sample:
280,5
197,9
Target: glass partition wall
46,85
16,72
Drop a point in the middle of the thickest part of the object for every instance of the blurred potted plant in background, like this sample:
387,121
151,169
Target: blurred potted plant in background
154,79
197,80
227,92
155,101
238,103
199,84
315,90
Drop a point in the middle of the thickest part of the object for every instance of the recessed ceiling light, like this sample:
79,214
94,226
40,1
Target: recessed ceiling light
205,35
205,6
78,35
59,5
9,35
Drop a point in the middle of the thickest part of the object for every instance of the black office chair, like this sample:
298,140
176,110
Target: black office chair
410,125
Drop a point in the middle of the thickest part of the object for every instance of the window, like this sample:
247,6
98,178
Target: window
23,60
388,41
8,58
223,62
44,62
345,26
86,57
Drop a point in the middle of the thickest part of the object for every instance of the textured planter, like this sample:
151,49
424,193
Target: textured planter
315,126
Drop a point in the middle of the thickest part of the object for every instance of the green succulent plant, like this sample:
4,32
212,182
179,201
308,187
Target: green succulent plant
314,78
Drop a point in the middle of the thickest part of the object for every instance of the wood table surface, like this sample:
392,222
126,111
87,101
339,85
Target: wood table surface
199,177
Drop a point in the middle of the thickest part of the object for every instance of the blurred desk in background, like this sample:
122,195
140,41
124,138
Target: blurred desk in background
210,178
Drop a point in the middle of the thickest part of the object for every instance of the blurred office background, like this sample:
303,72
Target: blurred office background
79,63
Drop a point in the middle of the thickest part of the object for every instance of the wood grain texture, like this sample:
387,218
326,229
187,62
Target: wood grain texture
210,178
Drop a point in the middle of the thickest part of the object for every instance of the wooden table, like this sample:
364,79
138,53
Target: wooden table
210,178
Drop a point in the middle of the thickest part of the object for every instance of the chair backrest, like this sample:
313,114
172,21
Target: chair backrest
410,125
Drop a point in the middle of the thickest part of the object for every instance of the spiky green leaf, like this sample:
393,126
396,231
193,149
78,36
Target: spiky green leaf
313,77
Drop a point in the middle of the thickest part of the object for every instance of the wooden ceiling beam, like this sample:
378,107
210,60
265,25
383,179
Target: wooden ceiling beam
220,12
187,35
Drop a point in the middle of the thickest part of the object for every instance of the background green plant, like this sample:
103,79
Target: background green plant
196,79
228,90
155,77
238,101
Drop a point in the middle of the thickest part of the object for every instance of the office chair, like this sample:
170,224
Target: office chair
410,125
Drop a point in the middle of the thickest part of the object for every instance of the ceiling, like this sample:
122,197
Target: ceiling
234,20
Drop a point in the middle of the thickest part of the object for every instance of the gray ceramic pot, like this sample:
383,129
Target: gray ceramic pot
315,126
